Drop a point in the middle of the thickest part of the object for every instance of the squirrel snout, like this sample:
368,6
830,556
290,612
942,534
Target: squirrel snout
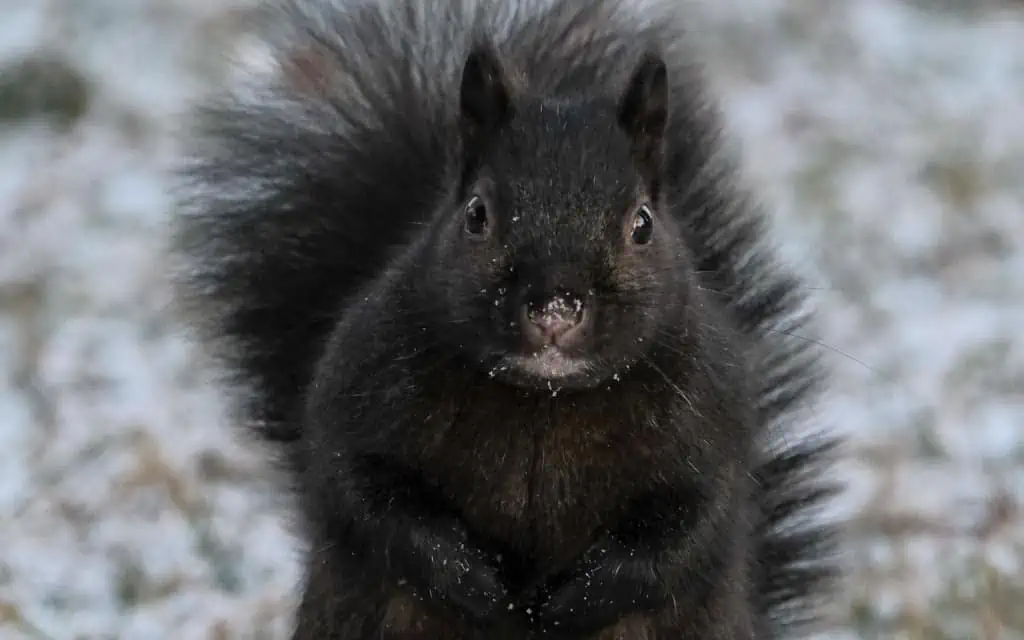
557,320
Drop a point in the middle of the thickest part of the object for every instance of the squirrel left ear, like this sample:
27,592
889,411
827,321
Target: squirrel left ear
643,109
484,99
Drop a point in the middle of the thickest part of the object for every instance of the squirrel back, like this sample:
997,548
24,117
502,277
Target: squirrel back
321,170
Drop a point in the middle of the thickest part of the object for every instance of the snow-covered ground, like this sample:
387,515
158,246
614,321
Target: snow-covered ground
887,134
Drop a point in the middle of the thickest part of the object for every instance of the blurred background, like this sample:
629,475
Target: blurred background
888,135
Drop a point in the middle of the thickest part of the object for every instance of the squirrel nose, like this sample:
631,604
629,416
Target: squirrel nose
556,320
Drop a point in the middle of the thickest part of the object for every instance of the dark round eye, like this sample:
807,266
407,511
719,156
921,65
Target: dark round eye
476,216
643,225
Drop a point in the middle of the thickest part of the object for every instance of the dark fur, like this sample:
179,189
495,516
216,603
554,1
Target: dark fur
663,491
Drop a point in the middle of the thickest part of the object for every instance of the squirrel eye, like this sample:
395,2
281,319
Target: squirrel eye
643,225
476,216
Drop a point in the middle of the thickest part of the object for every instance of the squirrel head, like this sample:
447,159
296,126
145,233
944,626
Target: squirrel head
555,262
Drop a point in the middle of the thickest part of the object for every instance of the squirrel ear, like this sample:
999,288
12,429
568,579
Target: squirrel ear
484,99
643,109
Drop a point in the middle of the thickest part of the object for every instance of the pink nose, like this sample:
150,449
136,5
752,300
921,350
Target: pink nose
554,321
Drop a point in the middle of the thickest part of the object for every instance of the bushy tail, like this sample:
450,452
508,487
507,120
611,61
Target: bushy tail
796,571
301,180
796,567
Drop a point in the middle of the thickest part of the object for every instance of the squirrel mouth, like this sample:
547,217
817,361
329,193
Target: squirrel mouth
550,363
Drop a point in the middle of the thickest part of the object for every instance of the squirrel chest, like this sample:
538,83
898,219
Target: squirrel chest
537,472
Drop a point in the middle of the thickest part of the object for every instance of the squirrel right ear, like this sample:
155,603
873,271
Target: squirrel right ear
643,108
484,100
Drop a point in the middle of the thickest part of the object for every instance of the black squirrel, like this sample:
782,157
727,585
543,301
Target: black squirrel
490,283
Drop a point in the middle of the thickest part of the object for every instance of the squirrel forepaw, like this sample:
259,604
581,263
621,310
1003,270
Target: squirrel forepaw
609,583
472,584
